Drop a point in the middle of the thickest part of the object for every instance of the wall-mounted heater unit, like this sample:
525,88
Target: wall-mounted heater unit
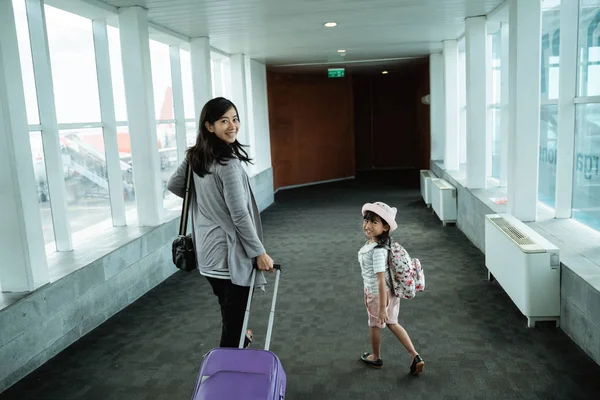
426,176
443,200
526,265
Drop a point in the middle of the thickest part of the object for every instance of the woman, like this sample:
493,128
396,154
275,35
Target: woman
226,225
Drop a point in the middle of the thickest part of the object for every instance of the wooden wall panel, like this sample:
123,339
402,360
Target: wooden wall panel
312,128
392,125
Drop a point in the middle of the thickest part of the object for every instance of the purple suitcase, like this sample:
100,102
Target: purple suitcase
248,374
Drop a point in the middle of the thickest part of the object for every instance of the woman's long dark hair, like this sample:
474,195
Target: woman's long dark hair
384,239
209,148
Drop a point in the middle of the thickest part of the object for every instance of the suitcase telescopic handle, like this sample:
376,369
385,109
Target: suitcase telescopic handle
277,268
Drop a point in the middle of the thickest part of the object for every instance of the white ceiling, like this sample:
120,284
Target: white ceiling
280,32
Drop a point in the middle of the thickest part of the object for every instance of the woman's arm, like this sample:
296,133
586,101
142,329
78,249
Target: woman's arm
176,184
236,200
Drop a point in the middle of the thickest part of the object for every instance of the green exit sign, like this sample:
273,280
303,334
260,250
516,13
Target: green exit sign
335,72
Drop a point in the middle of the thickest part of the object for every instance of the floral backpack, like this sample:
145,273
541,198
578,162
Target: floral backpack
406,273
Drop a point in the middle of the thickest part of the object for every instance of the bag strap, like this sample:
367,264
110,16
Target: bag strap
186,201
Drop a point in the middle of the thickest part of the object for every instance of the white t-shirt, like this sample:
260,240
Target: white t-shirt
373,260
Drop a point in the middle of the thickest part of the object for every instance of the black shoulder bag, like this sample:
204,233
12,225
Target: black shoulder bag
184,255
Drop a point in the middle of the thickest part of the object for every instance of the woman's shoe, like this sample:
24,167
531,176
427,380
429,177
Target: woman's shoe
417,365
373,363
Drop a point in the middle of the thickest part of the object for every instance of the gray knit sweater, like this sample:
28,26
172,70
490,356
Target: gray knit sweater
226,225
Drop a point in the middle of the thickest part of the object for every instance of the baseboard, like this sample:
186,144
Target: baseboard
385,169
313,183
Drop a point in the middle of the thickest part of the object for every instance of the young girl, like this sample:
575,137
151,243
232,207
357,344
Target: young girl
382,305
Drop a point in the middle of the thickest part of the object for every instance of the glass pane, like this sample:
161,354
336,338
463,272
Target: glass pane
462,98
586,180
71,44
41,179
496,66
496,141
116,70
550,49
160,59
188,88
215,85
226,78
547,164
190,133
167,149
589,49
31,102
86,178
124,143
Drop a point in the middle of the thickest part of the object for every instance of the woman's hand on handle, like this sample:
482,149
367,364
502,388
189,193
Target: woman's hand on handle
264,263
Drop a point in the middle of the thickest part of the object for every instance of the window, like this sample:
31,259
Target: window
22,26
589,49
86,177
549,108
41,180
188,98
124,143
116,72
586,178
220,69
71,43
167,150
547,154
495,40
462,98
160,59
188,88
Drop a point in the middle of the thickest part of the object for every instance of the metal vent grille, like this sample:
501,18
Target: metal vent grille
426,174
525,243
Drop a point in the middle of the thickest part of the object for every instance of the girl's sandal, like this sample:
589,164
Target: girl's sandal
373,363
417,365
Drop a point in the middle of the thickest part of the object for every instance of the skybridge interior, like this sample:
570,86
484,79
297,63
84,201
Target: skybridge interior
479,120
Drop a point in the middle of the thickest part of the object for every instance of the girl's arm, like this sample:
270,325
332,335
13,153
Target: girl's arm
382,286
380,267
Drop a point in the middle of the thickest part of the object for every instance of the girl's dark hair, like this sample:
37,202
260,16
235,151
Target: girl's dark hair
383,239
209,148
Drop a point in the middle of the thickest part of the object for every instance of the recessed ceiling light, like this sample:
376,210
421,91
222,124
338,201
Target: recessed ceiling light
384,72
341,51
330,24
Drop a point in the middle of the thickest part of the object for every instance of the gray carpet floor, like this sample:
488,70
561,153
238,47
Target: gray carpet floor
474,340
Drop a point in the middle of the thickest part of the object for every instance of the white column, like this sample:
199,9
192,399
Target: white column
477,102
260,113
566,108
201,79
452,107
24,266
504,99
107,111
250,111
525,52
137,76
50,135
178,109
217,76
436,105
238,94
